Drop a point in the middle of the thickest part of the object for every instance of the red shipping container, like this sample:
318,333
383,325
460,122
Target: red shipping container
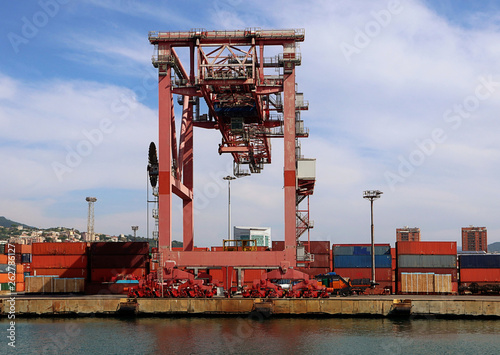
381,274
105,275
62,273
426,248
78,248
17,249
452,272
122,248
59,261
480,275
321,260
393,255
317,247
118,261
278,245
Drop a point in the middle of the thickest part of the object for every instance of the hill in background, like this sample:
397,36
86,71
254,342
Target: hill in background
7,223
494,247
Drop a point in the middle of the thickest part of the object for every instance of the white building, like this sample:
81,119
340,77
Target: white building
261,235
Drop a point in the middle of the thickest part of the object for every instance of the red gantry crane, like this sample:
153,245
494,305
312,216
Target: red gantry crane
251,98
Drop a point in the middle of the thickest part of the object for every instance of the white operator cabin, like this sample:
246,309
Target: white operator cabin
261,235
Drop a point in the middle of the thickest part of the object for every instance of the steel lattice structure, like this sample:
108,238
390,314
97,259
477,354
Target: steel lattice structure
251,99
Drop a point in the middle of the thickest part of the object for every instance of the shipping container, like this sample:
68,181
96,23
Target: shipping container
361,249
106,275
453,272
6,268
480,275
482,261
17,249
79,248
4,286
427,261
64,273
59,261
4,259
317,247
123,248
381,274
118,261
443,283
422,283
70,285
321,260
20,287
361,261
26,258
426,248
38,284
277,245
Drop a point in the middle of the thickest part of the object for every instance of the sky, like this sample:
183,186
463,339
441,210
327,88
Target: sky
404,97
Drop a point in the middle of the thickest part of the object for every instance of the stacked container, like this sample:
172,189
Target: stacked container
481,269
110,260
426,267
355,262
7,279
319,249
65,260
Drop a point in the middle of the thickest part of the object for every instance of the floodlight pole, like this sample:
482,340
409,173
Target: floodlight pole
372,195
228,179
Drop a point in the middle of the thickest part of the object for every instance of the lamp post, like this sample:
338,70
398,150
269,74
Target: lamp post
135,228
228,179
372,195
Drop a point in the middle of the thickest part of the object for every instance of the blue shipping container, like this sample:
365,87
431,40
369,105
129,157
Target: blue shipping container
362,261
480,261
361,250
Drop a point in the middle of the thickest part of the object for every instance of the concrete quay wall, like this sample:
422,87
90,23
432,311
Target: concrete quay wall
380,307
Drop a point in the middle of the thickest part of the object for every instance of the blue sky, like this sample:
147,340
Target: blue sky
404,97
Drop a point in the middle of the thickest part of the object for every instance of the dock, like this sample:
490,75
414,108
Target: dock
359,306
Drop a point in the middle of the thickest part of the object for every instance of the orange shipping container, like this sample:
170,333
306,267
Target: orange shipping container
426,248
19,268
78,248
4,259
59,261
20,287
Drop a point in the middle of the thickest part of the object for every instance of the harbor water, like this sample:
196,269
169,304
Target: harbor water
252,335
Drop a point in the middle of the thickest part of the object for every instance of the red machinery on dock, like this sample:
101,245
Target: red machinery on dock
249,106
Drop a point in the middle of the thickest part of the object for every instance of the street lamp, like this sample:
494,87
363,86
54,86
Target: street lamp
372,195
135,228
228,179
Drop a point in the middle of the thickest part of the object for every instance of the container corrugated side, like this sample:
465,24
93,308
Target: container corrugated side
361,261
381,274
360,249
427,261
426,248
486,261
317,247
321,260
65,273
452,271
59,261
480,275
78,248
